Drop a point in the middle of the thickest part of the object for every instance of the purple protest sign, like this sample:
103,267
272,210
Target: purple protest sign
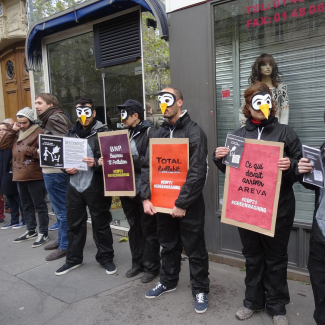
118,170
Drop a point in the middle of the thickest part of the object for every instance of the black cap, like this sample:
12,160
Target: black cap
132,104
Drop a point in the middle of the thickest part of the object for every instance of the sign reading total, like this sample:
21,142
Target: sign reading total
169,161
251,192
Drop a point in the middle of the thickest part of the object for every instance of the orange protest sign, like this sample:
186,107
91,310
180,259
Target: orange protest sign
169,163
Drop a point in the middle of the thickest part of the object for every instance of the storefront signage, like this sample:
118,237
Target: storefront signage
251,192
290,13
61,152
118,169
169,161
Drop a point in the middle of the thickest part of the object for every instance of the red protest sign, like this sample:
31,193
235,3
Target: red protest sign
251,192
169,161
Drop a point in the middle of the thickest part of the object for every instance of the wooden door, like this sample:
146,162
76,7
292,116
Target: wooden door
15,80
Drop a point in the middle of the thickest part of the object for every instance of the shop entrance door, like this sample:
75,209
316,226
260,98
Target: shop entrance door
15,80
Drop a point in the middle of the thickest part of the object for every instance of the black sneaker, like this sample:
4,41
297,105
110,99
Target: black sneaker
41,240
66,268
28,235
110,268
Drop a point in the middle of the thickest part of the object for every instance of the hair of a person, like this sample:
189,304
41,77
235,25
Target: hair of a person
30,122
256,74
83,101
7,120
48,99
148,107
6,124
132,111
177,92
251,91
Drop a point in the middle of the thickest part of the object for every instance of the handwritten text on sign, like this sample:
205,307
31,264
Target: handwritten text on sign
251,190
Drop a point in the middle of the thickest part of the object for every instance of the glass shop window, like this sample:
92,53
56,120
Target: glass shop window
293,32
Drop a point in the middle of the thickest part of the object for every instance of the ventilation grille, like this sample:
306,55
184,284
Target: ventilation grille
118,40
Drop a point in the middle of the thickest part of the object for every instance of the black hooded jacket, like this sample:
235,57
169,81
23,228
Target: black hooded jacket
197,172
277,132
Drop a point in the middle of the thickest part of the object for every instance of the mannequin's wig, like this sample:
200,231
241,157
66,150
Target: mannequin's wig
251,91
256,75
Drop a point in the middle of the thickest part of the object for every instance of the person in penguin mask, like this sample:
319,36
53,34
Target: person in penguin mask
86,188
144,245
267,257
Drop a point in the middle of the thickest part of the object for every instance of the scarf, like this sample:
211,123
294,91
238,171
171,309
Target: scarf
45,116
81,132
264,122
25,134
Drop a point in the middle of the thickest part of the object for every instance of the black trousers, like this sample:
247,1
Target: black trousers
316,267
32,196
187,232
266,268
143,240
101,218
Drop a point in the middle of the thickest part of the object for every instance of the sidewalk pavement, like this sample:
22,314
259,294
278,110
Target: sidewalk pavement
32,294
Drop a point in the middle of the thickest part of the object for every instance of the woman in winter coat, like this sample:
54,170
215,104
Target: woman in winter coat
267,257
23,140
7,186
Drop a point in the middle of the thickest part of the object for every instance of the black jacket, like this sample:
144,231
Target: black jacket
316,234
292,149
140,135
198,151
7,186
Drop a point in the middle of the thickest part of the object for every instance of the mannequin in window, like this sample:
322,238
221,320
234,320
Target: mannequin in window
266,70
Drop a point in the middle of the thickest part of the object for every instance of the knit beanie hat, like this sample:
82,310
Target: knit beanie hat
27,112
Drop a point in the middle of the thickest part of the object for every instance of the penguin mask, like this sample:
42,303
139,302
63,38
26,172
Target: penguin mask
124,114
262,101
166,99
83,112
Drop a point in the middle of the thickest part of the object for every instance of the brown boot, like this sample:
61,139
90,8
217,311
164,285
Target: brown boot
52,246
56,255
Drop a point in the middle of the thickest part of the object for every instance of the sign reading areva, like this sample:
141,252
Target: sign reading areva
118,170
251,192
169,161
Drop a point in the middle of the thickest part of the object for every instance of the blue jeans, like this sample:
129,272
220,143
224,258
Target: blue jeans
15,204
56,186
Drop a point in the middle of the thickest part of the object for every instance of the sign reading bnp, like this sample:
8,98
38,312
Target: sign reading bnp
251,192
118,169
169,162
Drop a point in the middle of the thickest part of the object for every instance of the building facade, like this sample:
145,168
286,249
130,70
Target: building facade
220,42
15,79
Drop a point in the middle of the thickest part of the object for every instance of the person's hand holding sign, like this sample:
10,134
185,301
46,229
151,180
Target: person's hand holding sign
100,161
177,212
304,166
148,207
221,152
71,171
284,163
90,161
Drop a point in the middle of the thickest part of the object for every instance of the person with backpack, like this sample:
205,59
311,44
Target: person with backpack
179,230
55,122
